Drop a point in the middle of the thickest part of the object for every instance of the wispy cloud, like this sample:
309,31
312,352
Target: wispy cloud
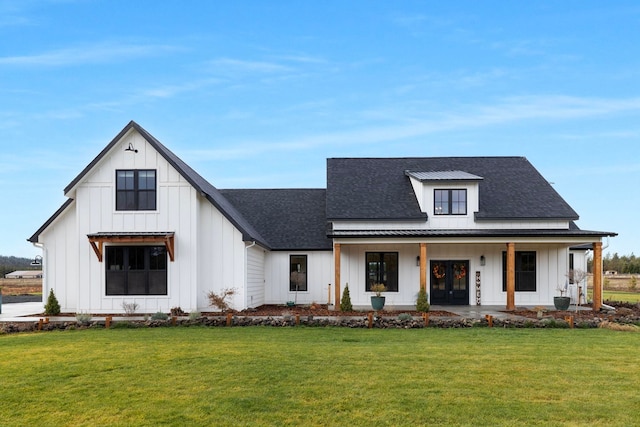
87,54
509,110
238,65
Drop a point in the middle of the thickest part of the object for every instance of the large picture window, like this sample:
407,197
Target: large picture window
136,270
382,267
298,270
450,202
135,190
525,271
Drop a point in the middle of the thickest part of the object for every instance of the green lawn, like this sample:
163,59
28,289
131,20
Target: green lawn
320,376
613,295
632,297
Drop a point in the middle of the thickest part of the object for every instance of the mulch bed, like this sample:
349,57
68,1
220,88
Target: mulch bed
322,310
623,309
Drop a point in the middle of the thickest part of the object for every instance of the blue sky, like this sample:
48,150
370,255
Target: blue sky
257,94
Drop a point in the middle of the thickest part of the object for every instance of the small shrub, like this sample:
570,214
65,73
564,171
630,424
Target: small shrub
83,318
422,303
177,311
345,301
52,307
194,315
129,307
378,289
405,316
634,283
219,300
159,316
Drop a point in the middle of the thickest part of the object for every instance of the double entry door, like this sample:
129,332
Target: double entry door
450,282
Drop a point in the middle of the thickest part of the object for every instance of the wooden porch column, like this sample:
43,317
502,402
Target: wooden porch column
336,266
511,276
423,266
597,276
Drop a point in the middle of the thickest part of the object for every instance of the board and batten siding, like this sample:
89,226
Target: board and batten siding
255,276
277,275
221,257
209,251
176,212
60,250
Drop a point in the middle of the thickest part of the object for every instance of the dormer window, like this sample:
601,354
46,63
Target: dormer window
135,190
450,202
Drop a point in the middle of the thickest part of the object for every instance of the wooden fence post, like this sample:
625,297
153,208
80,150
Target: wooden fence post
489,319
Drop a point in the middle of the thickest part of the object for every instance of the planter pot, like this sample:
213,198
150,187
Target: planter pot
561,303
377,303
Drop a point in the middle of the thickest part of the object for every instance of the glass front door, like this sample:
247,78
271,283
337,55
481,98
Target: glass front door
450,282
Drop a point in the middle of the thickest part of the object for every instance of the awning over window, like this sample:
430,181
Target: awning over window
97,240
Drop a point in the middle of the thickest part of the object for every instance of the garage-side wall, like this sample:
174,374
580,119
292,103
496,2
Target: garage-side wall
319,277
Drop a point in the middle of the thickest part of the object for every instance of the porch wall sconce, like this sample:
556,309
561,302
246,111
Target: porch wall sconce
418,261
131,148
483,260
37,261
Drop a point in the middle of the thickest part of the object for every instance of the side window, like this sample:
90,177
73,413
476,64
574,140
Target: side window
298,273
382,267
135,190
450,202
525,271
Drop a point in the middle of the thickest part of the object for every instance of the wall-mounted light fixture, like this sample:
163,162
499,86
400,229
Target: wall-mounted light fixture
483,260
130,148
37,260
418,261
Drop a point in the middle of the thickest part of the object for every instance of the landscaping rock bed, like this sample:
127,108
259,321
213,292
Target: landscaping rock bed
362,322
278,316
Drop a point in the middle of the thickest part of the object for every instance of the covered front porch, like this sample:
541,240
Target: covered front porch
458,273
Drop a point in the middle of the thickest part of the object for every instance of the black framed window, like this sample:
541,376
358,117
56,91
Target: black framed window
450,202
136,270
525,271
135,190
382,267
298,273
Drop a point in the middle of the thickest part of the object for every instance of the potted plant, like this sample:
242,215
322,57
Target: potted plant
377,300
562,302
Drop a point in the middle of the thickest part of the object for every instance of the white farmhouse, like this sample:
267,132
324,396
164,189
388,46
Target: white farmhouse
139,225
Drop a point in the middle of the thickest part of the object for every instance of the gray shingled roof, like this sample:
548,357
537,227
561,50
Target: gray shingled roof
378,188
287,218
367,189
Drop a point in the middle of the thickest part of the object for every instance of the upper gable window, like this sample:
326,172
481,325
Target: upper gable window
135,190
450,202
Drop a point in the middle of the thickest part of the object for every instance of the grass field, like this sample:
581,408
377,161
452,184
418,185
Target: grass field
320,377
631,297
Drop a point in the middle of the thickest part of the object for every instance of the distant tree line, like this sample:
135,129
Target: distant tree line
623,264
9,264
